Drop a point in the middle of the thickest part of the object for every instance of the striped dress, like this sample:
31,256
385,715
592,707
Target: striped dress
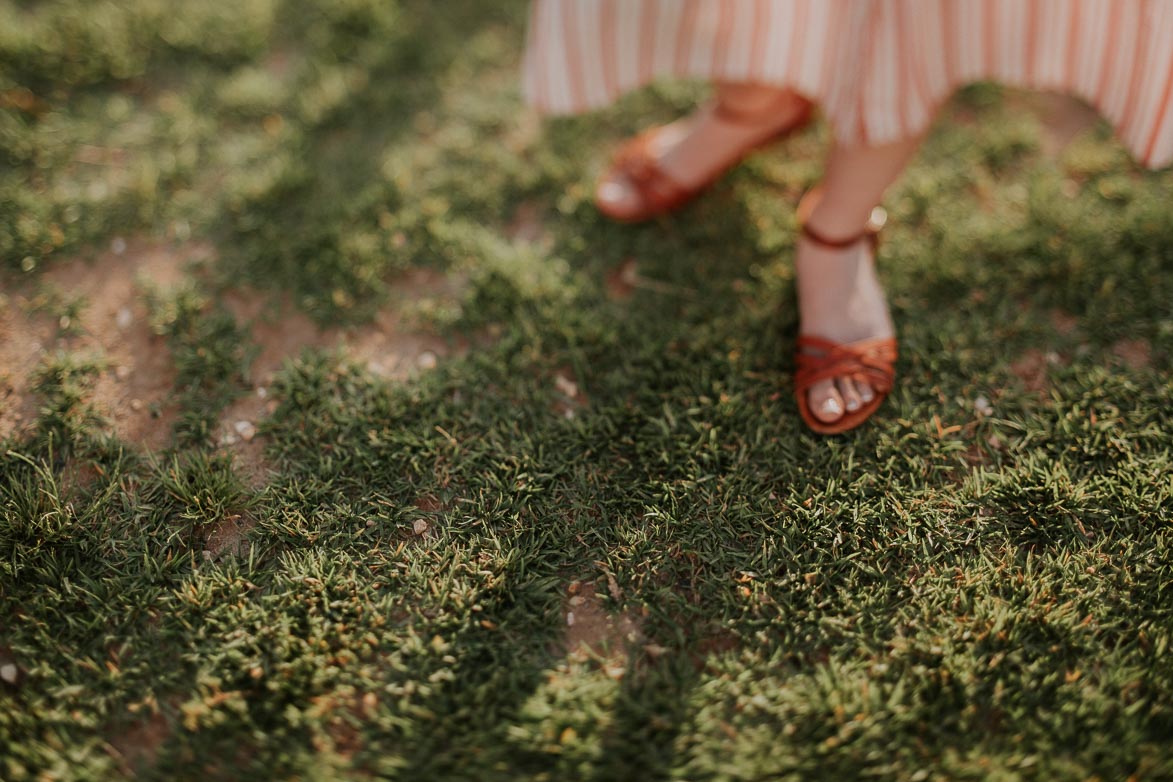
879,68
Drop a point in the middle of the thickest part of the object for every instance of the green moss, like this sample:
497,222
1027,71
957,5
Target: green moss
211,355
957,590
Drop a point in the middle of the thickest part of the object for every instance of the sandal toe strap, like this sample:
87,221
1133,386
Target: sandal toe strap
870,361
641,168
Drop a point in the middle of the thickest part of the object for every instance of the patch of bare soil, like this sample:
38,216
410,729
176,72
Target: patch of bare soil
716,642
1031,369
1135,354
1064,118
138,746
279,331
592,632
229,538
391,351
1064,323
135,390
387,347
111,323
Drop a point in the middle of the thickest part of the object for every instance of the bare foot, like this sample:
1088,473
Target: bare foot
840,299
697,148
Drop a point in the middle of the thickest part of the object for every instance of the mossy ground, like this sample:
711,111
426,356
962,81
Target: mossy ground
976,585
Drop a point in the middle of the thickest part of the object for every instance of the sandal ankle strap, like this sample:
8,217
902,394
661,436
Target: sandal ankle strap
871,231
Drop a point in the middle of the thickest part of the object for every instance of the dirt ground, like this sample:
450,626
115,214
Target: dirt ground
108,320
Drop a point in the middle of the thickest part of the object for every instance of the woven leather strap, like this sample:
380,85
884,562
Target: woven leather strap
869,361
658,191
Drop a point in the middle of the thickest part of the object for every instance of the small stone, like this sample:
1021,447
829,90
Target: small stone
124,318
370,522
982,406
570,619
246,430
262,392
207,555
566,386
426,360
577,600
121,372
8,673
228,438
419,526
118,245
136,404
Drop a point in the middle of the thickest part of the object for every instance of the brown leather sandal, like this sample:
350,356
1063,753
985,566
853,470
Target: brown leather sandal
870,361
658,193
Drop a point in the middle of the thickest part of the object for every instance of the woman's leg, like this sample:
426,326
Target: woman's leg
839,296
697,148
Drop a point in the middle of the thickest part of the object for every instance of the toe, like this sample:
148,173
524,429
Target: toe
616,195
866,393
825,402
848,390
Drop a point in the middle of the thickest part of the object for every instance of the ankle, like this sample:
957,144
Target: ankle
838,223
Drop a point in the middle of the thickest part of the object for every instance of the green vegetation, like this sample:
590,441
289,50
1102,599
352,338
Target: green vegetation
976,585
211,355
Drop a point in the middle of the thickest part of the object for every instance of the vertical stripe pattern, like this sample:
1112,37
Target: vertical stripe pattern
878,67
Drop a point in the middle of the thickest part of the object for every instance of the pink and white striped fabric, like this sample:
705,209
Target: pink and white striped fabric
880,68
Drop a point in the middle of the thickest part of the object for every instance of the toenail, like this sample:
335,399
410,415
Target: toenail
866,394
612,192
852,405
830,407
